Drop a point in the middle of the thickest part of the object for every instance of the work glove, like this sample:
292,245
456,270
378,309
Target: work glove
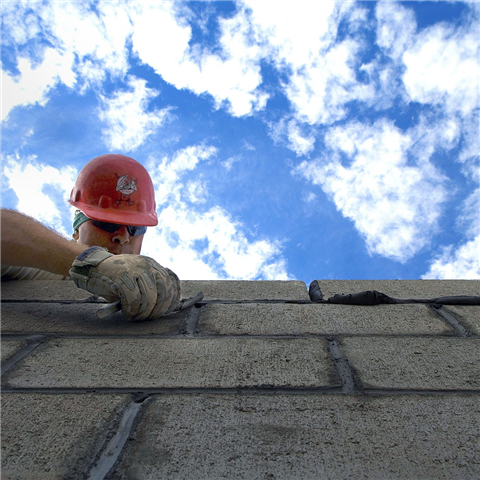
144,288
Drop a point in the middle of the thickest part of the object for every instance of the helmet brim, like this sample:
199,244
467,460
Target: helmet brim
140,219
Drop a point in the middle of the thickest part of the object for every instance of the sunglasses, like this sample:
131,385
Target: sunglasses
132,230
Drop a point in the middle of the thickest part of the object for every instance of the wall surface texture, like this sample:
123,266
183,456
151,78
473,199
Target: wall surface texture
256,381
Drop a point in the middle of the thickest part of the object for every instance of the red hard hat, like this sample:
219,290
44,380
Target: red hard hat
117,189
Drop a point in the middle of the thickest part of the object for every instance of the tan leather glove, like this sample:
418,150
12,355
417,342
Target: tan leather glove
145,289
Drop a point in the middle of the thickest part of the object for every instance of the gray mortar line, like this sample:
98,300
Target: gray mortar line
248,391
20,354
216,336
61,302
342,366
380,392
114,448
451,320
23,336
252,390
240,302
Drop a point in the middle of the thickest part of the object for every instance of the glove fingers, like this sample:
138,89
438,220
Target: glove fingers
168,288
144,287
142,299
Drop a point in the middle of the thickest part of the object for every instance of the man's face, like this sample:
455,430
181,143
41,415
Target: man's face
117,242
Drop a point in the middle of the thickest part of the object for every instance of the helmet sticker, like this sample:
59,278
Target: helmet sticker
126,185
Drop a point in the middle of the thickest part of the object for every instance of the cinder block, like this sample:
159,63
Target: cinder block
322,319
180,362
9,347
81,318
246,290
54,436
469,316
306,437
41,290
431,363
425,289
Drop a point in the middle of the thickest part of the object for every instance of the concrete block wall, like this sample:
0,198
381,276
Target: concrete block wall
256,381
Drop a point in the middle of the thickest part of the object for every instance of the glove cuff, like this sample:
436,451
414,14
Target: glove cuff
82,266
91,256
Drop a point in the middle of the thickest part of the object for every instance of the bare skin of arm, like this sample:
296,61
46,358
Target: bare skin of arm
28,243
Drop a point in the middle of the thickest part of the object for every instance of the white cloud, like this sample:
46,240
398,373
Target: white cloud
34,82
20,22
228,163
203,243
85,46
468,221
161,40
394,203
167,172
438,66
441,68
128,120
396,26
42,190
297,137
97,36
303,44
462,263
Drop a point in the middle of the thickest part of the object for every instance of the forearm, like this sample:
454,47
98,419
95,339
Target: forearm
28,243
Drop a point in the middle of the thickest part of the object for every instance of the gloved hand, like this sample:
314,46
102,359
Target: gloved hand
144,288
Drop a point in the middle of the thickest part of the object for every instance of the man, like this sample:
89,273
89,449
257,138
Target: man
115,199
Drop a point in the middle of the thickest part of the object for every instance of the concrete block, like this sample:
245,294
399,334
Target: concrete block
468,316
306,437
54,436
402,288
434,363
246,290
322,319
81,318
9,347
41,290
172,363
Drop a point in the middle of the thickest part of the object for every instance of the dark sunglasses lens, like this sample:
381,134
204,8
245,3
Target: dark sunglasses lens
136,231
133,231
106,226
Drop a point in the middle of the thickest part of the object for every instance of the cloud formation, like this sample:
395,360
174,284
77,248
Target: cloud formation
457,263
394,203
331,62
42,190
127,117
199,242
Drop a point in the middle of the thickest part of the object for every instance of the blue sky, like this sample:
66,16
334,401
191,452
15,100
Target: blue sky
285,139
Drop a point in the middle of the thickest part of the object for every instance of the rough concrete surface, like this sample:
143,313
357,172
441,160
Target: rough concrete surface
401,288
173,363
254,382
246,290
415,363
42,290
321,319
9,347
81,318
306,437
54,436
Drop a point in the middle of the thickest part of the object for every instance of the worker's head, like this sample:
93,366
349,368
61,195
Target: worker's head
116,202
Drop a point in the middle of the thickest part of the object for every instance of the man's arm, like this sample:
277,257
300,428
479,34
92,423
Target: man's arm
28,243
144,288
